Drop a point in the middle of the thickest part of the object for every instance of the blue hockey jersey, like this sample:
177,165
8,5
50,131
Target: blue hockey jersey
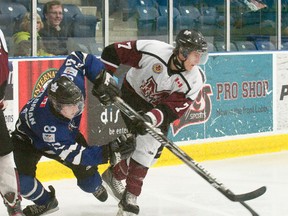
53,134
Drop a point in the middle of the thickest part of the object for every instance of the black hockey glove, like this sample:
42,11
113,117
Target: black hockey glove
80,139
139,127
124,144
105,88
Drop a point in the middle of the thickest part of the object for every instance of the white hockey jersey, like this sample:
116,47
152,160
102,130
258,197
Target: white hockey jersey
150,75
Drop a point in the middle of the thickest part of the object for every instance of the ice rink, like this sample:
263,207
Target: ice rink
179,191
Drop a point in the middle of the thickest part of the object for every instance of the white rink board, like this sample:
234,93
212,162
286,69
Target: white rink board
282,91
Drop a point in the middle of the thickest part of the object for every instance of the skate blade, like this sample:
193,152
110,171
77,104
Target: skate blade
124,213
51,211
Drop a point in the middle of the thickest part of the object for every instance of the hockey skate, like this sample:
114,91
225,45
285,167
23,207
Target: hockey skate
35,210
128,205
115,187
101,193
14,210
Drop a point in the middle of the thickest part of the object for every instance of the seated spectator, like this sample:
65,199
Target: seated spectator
22,39
55,33
285,31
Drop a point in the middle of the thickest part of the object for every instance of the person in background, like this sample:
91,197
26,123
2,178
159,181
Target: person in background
161,85
48,125
55,33
22,39
8,175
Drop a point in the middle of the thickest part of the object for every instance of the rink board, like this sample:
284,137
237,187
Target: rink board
240,111
51,170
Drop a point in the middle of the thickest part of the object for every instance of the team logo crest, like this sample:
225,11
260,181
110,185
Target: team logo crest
43,81
157,68
54,87
149,91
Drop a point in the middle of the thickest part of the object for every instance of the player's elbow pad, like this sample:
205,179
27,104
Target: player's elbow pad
109,54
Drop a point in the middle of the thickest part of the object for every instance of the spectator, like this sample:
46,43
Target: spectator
22,39
55,33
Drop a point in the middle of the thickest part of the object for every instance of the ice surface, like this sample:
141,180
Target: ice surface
179,191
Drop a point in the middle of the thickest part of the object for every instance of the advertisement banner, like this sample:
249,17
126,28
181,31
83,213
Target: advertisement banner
29,74
282,91
99,124
9,112
236,100
104,123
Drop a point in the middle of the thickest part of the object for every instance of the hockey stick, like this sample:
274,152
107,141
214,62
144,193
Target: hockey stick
132,114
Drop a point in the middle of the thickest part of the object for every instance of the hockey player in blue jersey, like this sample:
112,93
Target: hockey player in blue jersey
48,125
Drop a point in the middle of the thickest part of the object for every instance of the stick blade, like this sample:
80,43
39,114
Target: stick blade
247,196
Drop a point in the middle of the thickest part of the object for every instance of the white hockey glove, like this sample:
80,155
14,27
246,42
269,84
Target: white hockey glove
105,88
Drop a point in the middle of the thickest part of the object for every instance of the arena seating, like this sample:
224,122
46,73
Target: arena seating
83,25
11,13
264,45
245,45
8,30
221,46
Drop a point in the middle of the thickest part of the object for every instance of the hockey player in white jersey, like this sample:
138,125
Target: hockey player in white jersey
8,177
162,83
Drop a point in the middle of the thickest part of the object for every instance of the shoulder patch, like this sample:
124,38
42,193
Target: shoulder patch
70,71
157,68
48,137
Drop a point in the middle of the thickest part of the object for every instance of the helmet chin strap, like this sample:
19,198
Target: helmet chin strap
178,63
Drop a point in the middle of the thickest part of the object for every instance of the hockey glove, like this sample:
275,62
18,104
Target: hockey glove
80,139
139,127
124,144
105,88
